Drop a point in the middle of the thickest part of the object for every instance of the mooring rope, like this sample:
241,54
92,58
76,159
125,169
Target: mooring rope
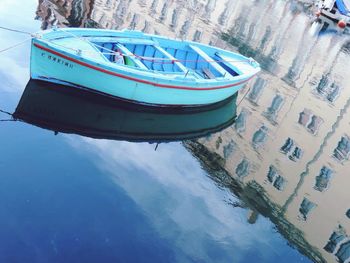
8,120
6,112
17,44
113,52
239,103
10,114
15,30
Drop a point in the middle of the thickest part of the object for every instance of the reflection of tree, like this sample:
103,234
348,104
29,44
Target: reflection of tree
53,12
73,13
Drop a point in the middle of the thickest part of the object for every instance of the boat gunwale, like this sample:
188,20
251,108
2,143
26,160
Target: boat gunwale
191,81
151,38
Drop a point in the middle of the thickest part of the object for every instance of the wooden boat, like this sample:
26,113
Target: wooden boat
62,109
139,67
333,13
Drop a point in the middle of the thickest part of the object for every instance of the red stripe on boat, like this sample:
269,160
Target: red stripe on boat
135,79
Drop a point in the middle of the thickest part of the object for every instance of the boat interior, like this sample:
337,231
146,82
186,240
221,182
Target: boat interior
183,60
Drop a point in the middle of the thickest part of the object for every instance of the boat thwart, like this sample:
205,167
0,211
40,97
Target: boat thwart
139,67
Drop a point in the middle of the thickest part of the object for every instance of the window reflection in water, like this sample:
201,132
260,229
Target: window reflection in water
302,93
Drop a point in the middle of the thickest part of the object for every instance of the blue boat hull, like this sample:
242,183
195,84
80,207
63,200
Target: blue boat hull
52,64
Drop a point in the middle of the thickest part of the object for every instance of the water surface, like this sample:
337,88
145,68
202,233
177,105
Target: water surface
232,196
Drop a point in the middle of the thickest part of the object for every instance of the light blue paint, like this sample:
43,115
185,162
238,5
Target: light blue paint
45,65
343,8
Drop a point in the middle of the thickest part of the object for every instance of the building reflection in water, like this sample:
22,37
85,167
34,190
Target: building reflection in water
289,148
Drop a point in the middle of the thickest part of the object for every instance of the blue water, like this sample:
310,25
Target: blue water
68,198
72,199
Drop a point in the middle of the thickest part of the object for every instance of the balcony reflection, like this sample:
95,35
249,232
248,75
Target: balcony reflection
287,154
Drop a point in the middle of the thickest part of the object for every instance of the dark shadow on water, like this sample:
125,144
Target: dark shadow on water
69,110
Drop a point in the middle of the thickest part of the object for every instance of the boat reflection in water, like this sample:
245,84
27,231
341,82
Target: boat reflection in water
63,109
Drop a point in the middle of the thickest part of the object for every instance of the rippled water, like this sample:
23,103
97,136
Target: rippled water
272,186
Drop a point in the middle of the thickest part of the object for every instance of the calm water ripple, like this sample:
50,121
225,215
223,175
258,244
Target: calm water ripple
83,180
